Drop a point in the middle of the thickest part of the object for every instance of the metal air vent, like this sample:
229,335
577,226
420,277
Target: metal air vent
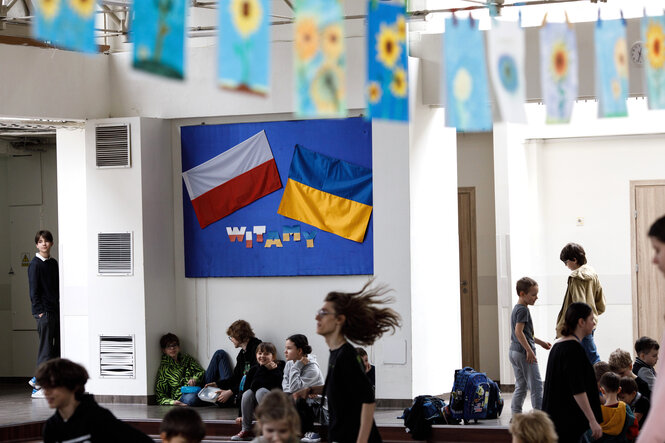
116,356
114,253
112,146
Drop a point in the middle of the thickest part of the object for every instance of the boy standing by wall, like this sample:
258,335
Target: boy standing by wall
44,281
523,347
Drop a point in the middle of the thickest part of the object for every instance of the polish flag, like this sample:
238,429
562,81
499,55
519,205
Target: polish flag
233,179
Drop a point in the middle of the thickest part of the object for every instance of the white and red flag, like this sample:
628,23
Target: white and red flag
233,179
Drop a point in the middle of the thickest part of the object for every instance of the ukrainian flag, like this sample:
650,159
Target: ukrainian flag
331,194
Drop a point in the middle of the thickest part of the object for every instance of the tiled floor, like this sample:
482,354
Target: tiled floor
16,406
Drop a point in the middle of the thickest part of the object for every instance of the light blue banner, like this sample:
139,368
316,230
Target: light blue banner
68,24
653,52
611,68
467,93
558,70
244,45
158,33
387,65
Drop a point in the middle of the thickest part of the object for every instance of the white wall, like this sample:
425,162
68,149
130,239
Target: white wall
51,83
5,278
546,177
434,245
475,168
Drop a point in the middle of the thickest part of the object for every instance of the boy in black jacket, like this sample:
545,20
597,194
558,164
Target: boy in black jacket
44,281
78,417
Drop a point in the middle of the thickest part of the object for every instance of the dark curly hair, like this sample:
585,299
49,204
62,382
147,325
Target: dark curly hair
365,320
60,372
240,330
300,342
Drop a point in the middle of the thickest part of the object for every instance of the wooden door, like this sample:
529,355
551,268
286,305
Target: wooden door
647,205
466,213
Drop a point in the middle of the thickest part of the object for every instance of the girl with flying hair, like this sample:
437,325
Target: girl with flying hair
362,318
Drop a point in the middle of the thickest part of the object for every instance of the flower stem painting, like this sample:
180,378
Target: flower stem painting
320,59
244,46
558,71
158,32
611,68
68,24
653,36
387,88
467,94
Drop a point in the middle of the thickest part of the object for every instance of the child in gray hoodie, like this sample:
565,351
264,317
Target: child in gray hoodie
302,371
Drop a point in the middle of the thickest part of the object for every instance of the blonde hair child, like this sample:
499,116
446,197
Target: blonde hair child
276,419
533,427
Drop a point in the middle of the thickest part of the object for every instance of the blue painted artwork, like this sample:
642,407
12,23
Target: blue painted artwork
611,68
653,36
319,59
558,70
467,92
387,65
158,33
244,45
66,24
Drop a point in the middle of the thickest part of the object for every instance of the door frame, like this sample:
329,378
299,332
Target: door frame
475,357
633,248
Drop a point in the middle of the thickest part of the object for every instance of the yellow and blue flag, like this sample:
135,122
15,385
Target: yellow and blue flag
328,193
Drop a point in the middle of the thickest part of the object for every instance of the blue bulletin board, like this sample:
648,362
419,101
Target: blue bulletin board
212,252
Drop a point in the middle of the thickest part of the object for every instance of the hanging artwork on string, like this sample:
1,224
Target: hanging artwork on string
158,32
653,36
558,70
244,45
611,68
319,60
387,88
66,24
467,94
505,47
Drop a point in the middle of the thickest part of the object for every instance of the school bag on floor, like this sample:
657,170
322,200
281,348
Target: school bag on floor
425,411
470,395
495,402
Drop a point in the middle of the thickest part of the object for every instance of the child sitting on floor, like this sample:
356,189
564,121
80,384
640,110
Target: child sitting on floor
182,425
533,427
277,419
258,383
637,402
619,423
646,349
621,363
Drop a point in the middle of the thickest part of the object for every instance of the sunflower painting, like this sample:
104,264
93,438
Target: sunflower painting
558,71
158,33
387,87
244,46
68,24
505,48
319,59
465,77
611,68
653,36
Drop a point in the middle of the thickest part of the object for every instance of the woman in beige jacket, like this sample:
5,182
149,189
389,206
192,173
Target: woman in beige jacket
583,286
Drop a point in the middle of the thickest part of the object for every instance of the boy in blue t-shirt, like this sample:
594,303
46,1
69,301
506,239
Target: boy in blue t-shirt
523,348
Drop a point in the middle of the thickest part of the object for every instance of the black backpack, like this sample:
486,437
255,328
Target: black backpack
425,411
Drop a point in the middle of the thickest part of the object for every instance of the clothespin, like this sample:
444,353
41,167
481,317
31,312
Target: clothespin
471,21
519,18
570,25
623,20
544,20
454,18
599,21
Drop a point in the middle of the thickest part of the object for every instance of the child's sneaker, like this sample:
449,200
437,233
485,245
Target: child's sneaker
243,436
38,393
33,383
311,437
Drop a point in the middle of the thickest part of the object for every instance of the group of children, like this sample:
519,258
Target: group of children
624,387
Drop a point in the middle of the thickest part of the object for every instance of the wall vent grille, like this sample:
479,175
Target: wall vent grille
116,356
112,146
114,253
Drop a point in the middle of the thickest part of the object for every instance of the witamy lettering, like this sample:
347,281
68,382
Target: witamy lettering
258,234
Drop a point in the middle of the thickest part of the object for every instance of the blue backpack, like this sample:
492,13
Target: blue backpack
470,395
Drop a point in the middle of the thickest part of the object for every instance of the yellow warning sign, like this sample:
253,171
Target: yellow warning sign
25,261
